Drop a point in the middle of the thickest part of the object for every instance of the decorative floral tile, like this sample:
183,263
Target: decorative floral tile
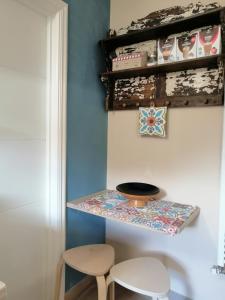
160,215
152,121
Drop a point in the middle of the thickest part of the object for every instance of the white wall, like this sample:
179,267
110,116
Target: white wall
22,150
185,165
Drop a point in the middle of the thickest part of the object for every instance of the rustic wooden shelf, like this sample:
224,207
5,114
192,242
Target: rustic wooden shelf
190,23
190,98
202,62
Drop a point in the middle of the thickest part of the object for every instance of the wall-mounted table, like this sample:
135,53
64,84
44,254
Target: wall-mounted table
159,216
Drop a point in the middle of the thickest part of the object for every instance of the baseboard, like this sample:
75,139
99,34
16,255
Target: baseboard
176,296
79,288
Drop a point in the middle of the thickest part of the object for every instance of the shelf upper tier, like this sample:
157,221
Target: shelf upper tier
212,17
202,62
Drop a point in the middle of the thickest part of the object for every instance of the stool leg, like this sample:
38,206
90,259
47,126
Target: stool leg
111,285
58,278
102,291
112,291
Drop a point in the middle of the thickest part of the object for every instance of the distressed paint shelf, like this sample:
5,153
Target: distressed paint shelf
159,216
202,62
179,102
196,21
120,95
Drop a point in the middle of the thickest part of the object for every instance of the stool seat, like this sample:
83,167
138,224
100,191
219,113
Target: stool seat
94,260
144,275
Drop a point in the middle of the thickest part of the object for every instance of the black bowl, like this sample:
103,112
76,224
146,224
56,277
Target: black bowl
137,188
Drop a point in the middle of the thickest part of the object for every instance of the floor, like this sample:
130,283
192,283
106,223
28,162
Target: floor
124,294
121,294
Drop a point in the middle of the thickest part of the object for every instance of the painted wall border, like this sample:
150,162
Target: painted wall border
56,12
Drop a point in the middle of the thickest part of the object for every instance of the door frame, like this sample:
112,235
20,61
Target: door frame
56,12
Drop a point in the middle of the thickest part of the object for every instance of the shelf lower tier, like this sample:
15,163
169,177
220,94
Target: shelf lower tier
189,101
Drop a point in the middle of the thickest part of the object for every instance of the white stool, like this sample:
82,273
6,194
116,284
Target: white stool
93,260
144,275
3,292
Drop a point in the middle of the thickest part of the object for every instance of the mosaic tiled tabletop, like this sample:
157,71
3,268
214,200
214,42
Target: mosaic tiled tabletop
160,215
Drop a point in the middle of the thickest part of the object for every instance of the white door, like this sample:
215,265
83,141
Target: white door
23,102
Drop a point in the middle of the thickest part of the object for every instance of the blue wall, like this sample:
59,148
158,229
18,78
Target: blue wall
87,120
